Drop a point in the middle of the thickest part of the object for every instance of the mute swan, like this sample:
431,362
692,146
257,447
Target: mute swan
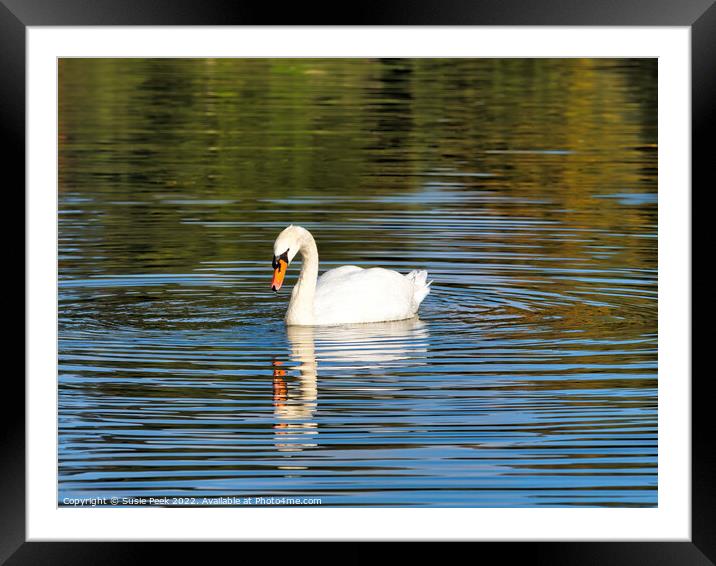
346,294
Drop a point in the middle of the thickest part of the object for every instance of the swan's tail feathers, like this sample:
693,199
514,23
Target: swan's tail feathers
422,285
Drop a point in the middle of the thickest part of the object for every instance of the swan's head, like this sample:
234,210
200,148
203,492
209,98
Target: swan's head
285,249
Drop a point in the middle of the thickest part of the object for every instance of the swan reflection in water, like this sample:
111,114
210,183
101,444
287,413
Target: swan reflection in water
372,347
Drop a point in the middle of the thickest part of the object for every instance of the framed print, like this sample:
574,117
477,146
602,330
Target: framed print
476,320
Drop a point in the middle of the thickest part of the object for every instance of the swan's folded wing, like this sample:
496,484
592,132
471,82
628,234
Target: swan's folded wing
351,294
332,275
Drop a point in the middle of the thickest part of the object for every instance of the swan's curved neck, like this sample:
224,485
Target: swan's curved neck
300,309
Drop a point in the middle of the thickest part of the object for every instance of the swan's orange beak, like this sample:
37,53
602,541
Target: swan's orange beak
279,273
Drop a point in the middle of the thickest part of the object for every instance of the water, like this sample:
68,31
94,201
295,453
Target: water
527,189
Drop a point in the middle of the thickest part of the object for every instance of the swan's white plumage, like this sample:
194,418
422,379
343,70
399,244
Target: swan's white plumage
347,294
350,294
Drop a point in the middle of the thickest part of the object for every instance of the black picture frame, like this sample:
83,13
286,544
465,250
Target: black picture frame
17,15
